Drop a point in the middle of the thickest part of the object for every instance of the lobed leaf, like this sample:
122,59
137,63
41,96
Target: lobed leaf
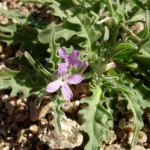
97,120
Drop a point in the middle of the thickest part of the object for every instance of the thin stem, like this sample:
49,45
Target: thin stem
129,32
111,10
104,20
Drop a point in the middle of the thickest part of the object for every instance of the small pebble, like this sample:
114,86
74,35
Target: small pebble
112,137
43,122
4,98
34,129
10,104
142,137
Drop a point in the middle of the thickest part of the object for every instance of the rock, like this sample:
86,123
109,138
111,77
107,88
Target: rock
82,88
4,98
112,137
20,139
10,104
138,147
130,137
142,137
122,123
14,126
34,129
10,111
70,138
43,122
70,107
22,116
115,147
38,114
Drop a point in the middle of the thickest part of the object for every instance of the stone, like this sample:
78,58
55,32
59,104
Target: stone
70,137
142,137
138,147
22,117
34,129
115,147
43,122
70,107
39,113
4,98
10,104
112,137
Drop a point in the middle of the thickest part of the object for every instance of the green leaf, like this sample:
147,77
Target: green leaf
140,4
38,68
87,30
134,100
51,3
58,114
134,103
14,15
53,49
61,31
123,50
146,39
21,81
15,86
97,120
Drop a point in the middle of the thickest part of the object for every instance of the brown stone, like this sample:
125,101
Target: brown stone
34,129
39,113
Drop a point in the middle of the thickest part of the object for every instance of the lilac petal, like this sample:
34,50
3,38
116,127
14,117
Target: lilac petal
62,69
53,86
66,91
62,52
85,64
74,79
77,63
74,55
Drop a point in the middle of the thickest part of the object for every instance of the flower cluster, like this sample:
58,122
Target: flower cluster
65,79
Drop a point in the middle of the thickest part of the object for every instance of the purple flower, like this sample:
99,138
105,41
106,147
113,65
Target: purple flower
63,82
72,59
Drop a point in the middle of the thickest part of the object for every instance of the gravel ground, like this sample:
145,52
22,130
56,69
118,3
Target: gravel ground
24,127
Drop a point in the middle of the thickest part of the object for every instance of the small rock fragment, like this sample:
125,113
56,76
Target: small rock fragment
4,98
43,122
22,117
142,137
115,147
70,107
10,104
112,137
138,147
130,137
70,137
34,129
38,114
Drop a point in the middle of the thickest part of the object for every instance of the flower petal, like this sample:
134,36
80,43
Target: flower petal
62,52
53,86
74,79
74,55
77,63
66,91
85,64
62,69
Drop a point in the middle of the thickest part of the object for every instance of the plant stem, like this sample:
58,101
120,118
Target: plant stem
104,20
129,32
111,10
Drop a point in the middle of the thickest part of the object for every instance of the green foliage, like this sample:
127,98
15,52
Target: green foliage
101,31
20,81
97,119
58,114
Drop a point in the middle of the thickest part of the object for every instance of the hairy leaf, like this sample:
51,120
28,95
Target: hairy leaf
58,114
97,120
